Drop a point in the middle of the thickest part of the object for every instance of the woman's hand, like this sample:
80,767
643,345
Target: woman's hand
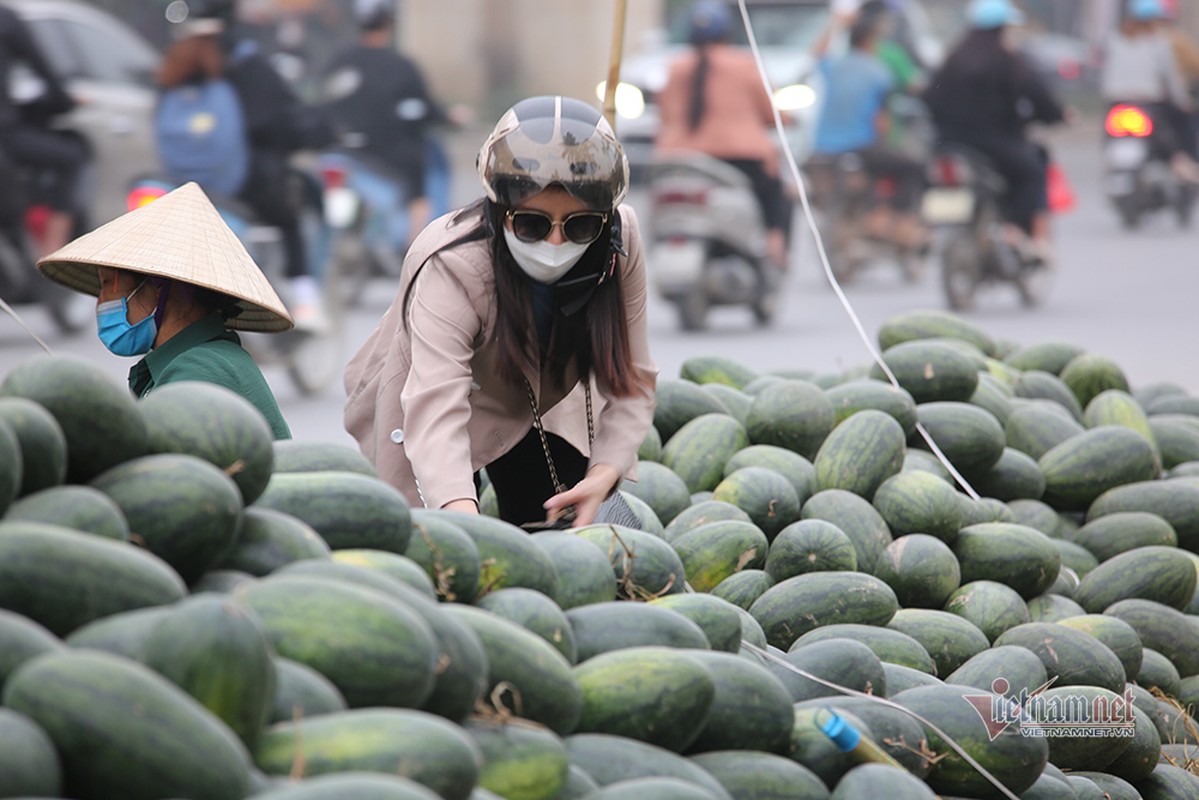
586,495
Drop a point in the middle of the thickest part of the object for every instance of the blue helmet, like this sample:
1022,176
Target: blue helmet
988,14
1145,10
710,22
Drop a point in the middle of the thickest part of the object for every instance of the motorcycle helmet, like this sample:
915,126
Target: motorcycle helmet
372,15
1146,10
988,14
553,140
710,21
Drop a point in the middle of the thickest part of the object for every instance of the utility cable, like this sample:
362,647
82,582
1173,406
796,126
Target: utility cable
810,218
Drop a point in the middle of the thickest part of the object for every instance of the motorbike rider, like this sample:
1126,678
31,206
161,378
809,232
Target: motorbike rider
1186,55
855,119
906,71
714,103
380,96
278,123
1140,67
983,97
25,136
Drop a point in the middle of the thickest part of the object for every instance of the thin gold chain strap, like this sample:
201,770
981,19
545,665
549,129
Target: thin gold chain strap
545,445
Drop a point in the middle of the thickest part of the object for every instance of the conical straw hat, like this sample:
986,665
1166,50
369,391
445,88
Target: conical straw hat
180,236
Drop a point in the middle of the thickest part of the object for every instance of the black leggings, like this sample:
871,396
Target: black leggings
61,154
776,208
270,193
522,479
1174,132
1023,165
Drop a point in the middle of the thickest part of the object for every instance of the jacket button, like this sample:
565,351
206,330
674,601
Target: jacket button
397,436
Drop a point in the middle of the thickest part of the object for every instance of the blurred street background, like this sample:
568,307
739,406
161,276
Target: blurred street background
1129,295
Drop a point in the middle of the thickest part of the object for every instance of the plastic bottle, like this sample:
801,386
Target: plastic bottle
848,739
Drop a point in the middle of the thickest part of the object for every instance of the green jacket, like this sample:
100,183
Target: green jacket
205,351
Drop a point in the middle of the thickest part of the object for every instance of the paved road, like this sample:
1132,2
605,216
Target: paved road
1130,296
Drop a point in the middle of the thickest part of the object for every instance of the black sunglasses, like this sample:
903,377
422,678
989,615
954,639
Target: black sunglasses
581,227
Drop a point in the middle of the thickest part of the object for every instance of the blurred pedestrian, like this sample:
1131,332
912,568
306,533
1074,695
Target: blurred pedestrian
172,284
714,103
508,312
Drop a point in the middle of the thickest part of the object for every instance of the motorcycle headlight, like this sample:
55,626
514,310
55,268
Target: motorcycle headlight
794,97
630,102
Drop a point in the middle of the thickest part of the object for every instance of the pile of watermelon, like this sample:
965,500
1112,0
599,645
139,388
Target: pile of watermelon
190,610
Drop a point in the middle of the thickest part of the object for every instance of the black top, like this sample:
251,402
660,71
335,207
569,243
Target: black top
276,119
381,95
18,45
983,90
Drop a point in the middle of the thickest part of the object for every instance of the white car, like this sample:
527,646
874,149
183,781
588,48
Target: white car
109,68
785,31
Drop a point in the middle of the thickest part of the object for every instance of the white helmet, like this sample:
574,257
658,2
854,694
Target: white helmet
553,140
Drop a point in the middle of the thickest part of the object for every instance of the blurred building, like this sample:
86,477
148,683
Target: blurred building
485,53
490,53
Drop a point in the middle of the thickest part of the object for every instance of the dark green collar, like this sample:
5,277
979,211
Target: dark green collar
143,375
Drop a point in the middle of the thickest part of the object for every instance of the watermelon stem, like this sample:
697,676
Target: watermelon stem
498,711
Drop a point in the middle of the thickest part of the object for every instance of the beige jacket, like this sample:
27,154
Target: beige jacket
425,400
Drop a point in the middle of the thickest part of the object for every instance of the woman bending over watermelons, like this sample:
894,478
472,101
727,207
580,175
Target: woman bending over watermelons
521,314
172,283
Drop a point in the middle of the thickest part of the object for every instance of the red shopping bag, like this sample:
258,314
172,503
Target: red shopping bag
1061,194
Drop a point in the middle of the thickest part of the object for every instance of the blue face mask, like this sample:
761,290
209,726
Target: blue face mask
120,336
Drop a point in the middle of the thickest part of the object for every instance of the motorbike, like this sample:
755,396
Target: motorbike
313,358
848,199
707,240
1138,176
23,215
962,205
846,196
367,212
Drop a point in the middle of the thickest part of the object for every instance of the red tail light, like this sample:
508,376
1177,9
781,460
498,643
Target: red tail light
947,171
143,196
1127,120
36,217
696,198
1069,69
333,177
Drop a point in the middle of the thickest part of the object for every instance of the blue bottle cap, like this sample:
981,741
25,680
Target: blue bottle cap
844,735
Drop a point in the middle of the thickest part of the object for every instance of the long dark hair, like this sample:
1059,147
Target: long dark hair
699,88
596,336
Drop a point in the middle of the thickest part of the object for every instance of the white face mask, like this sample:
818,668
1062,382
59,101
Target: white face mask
542,261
